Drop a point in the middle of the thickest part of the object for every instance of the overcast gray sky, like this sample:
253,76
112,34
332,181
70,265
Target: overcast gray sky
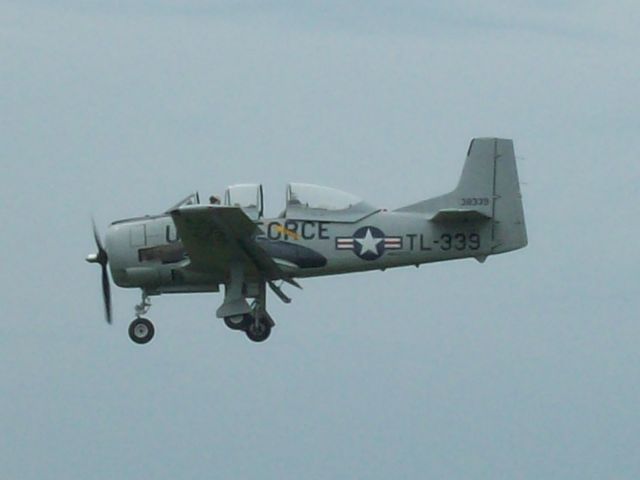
524,367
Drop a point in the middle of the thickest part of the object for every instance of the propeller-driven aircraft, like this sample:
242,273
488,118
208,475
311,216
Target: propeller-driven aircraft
198,247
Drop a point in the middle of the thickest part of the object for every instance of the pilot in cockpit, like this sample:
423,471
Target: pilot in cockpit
214,200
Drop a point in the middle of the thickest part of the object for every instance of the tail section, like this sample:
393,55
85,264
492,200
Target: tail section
509,231
488,192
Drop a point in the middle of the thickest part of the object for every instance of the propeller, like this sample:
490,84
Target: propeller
102,258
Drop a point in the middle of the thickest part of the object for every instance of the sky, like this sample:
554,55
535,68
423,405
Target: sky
526,366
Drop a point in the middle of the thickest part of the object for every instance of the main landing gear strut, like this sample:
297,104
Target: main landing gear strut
257,327
239,315
256,324
141,330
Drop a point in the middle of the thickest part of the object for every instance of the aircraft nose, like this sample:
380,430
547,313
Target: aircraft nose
92,258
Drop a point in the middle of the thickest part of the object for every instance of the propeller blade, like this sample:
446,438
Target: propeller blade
106,293
96,236
102,258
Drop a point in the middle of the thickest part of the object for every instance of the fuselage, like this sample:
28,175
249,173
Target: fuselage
147,252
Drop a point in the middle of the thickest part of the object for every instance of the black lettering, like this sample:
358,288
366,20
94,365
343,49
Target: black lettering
474,202
261,235
308,233
290,229
461,241
446,241
323,233
474,241
423,247
411,237
273,231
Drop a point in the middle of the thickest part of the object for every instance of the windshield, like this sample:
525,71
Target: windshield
193,199
304,195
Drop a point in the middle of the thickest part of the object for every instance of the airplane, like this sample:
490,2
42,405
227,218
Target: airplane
196,247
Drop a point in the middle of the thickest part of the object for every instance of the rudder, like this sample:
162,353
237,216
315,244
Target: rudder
509,230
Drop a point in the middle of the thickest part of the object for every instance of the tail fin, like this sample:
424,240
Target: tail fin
488,191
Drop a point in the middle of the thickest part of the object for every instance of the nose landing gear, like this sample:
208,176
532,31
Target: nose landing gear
141,330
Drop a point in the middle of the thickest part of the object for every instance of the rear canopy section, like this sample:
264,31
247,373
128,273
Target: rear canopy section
314,202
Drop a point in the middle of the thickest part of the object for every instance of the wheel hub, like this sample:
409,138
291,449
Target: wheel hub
141,331
257,329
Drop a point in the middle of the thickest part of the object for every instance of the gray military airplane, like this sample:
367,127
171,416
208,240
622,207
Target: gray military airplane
197,247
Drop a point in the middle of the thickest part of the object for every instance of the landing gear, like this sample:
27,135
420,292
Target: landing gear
259,326
141,330
238,322
258,330
238,314
144,305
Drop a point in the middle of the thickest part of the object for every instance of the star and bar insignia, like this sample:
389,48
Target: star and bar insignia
369,243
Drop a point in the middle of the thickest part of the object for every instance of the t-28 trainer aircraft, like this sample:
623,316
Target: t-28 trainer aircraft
195,247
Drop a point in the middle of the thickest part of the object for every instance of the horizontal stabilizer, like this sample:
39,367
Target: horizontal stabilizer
451,215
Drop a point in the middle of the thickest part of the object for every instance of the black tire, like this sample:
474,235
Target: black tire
234,324
141,331
258,332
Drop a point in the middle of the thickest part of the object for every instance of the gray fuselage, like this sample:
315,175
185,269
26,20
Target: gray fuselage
147,252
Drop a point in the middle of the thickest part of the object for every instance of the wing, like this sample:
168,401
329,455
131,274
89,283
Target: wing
214,236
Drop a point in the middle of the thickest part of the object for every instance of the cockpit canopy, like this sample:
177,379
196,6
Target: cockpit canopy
319,198
193,199
304,202
314,202
247,196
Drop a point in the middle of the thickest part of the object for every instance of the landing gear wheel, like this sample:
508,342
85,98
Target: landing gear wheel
141,331
238,322
258,331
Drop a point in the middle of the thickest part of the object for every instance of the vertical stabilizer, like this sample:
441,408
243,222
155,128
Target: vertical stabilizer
488,191
509,231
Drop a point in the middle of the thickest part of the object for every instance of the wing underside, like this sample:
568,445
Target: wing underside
216,236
